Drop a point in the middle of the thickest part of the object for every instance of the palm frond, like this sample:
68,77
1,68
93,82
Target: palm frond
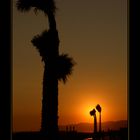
65,67
40,42
24,5
47,6
98,107
92,112
46,43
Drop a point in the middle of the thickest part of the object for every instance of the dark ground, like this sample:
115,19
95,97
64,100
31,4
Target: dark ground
122,134
39,136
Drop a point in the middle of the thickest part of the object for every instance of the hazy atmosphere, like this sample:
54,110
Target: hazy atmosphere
94,33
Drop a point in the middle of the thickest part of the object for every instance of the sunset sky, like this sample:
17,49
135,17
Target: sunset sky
94,33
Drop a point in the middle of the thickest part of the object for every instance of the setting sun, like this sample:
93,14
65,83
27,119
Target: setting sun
78,109
85,109
87,103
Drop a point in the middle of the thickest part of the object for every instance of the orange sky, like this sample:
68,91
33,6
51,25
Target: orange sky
94,33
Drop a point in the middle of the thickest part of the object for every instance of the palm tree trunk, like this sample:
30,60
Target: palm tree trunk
52,22
100,123
49,122
95,124
49,102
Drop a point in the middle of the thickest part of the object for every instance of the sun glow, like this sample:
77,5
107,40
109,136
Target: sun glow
86,106
81,107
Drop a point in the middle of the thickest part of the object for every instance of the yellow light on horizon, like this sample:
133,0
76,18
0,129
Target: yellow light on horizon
86,106
80,109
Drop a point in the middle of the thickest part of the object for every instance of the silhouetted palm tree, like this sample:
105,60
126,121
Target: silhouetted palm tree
93,113
46,6
99,109
56,67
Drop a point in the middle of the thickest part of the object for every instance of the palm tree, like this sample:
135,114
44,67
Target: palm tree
56,67
99,109
93,113
46,6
